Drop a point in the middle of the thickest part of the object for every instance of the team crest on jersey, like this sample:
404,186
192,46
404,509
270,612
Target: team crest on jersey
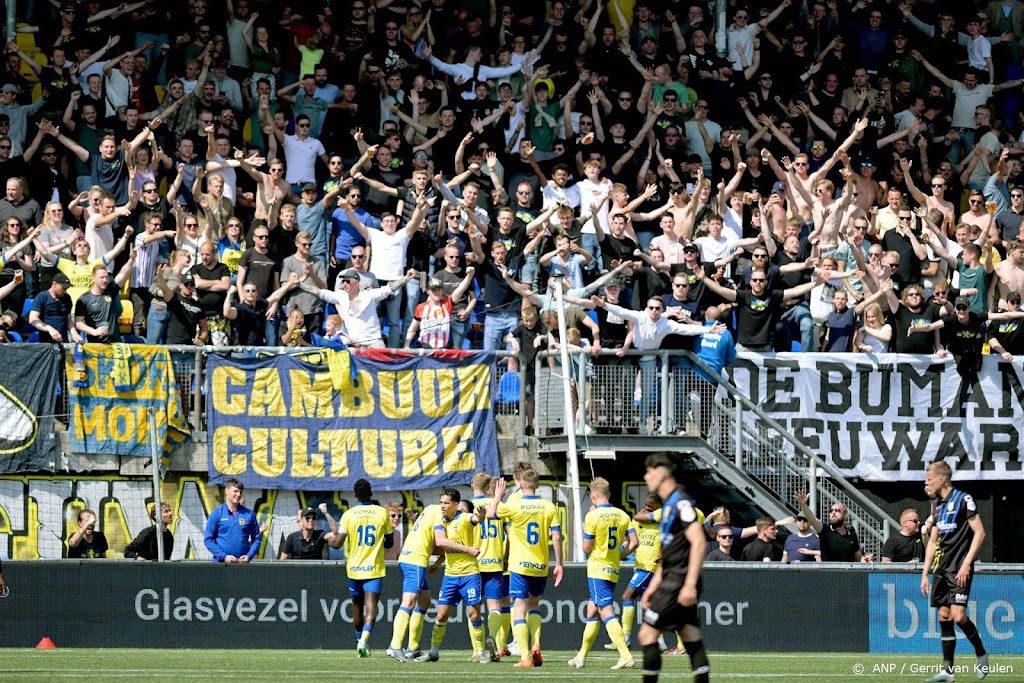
949,506
969,501
241,521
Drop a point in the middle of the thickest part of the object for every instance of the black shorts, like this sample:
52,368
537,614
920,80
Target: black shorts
666,614
945,592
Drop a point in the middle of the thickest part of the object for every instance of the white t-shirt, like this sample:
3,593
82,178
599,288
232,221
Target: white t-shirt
387,261
966,101
230,177
588,193
300,158
978,50
711,250
100,239
695,141
746,36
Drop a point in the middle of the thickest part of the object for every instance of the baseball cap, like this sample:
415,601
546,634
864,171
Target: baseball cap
187,278
616,282
1012,296
9,87
308,512
64,280
779,186
962,301
349,274
67,6
435,283
309,187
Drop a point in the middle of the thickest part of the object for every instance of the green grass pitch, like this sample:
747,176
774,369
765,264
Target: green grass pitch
344,665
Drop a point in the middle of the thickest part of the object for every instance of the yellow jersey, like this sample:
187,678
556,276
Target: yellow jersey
649,551
79,274
607,526
531,521
461,530
492,540
419,544
365,526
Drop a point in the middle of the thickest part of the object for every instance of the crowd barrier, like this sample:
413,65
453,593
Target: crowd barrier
744,607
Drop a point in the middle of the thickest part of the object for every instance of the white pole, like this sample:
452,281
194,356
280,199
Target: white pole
155,453
570,432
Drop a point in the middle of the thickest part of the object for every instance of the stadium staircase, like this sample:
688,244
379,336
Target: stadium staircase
749,462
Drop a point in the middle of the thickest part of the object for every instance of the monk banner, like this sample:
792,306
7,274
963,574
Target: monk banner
320,421
117,392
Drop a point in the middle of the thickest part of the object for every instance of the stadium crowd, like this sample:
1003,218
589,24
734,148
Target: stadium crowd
384,172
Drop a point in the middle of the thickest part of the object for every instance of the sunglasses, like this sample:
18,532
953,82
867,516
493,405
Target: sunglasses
654,308
726,537
758,279
261,237
963,308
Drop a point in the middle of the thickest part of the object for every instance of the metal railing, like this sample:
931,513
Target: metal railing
660,393
189,364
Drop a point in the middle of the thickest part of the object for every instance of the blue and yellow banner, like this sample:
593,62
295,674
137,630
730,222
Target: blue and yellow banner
122,390
323,420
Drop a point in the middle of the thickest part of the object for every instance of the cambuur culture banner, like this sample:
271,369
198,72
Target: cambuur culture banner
322,420
28,390
884,417
123,390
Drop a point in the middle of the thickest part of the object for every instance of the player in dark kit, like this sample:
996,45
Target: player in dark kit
670,602
953,546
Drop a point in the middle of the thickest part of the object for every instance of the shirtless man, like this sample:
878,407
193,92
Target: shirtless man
869,190
936,200
976,215
801,164
829,215
1010,273
271,187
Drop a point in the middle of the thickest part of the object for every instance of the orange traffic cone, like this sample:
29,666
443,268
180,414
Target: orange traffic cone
46,644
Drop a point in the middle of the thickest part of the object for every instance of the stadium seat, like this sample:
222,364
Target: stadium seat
14,336
26,308
132,339
124,321
34,337
508,389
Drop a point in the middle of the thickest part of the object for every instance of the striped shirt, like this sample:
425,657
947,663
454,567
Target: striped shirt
145,261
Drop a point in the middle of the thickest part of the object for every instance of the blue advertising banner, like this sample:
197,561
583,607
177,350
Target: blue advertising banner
323,420
116,394
902,621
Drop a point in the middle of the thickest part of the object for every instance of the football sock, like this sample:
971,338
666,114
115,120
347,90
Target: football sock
628,617
533,620
948,644
522,634
401,624
971,632
698,661
477,635
494,627
614,628
505,634
437,635
416,628
652,663
590,632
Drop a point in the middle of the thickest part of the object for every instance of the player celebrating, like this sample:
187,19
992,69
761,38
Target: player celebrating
492,569
958,534
648,552
461,574
366,531
671,599
604,530
533,522
413,561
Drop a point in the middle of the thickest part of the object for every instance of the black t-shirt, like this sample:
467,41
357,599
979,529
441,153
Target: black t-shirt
299,548
900,548
756,317
841,327
614,330
212,302
185,317
902,320
836,547
527,337
964,339
910,265
259,270
616,249
89,549
497,293
99,310
251,322
757,550
1010,334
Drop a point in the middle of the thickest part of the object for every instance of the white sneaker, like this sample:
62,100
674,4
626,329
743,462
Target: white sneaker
577,663
941,677
662,644
513,648
624,664
610,646
482,657
398,654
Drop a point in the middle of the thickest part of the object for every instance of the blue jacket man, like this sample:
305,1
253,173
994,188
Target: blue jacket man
232,532
717,350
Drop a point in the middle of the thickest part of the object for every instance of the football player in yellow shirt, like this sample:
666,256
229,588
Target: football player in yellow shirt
510,649
604,530
533,523
493,544
648,552
461,581
366,531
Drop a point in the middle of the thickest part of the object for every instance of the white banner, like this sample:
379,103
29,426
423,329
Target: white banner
884,417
